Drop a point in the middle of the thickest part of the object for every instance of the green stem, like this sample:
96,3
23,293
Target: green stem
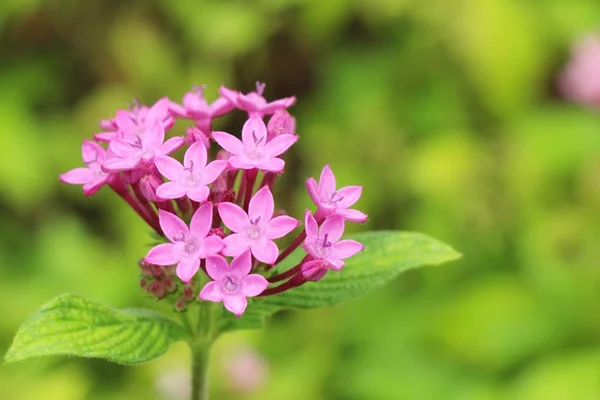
200,354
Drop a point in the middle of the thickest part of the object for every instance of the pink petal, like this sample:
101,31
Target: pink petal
349,195
228,142
198,193
91,151
253,285
169,167
171,190
280,144
163,254
242,264
105,136
77,176
171,145
212,245
220,106
262,205
333,227
211,292
159,110
278,105
119,164
310,225
177,109
313,190
187,268
334,264
353,215
213,171
121,148
347,248
275,165
230,95
241,162
202,220
172,226
90,188
233,216
327,182
314,270
235,244
154,136
216,267
196,156
280,226
236,304
124,121
254,131
265,251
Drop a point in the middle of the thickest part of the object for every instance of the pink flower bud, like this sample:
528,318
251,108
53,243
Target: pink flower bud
217,231
143,283
280,123
145,267
148,185
170,284
180,305
188,294
156,289
195,134
132,177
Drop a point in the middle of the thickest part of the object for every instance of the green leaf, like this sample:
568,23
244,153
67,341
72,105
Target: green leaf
386,255
71,325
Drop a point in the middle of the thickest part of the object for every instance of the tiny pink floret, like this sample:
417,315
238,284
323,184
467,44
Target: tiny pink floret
92,177
232,284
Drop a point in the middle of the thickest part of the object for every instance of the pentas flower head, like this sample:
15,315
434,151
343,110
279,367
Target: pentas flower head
188,245
216,217
92,177
332,201
256,229
190,179
254,151
232,284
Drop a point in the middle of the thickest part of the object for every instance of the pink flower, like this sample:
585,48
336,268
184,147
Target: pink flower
335,202
192,177
196,107
232,284
139,151
187,246
257,229
253,151
580,81
254,102
324,246
91,177
281,123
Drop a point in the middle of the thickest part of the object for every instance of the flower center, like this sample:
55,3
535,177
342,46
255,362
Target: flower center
322,246
335,198
190,244
230,284
253,230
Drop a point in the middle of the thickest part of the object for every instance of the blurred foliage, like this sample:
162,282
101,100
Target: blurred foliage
445,110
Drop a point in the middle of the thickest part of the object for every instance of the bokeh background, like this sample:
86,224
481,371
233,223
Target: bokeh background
447,111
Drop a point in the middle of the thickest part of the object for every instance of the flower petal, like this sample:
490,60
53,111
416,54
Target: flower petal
212,245
327,182
275,165
91,151
353,215
220,106
216,267
187,268
198,193
171,145
280,226
273,106
154,136
242,264
163,254
347,248
333,227
334,264
77,176
314,270
213,170
253,285
313,191
169,167
349,195
235,244
211,292
171,190
233,216
202,220
262,205
172,226
195,157
242,162
236,304
228,142
310,225
119,164
279,144
265,251
254,132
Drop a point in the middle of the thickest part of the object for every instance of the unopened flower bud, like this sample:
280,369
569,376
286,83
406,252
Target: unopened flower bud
156,270
170,270
170,284
188,294
145,267
195,134
156,289
108,124
132,177
148,185
143,283
180,305
281,123
217,231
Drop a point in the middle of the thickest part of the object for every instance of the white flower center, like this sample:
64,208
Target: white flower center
322,246
253,231
231,284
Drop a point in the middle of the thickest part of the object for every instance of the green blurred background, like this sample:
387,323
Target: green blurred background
445,110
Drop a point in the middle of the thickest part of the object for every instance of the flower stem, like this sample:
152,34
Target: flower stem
200,355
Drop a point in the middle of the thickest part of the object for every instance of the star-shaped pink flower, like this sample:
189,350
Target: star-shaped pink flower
335,202
187,246
139,151
91,177
325,247
253,151
196,107
232,284
192,178
257,229
254,102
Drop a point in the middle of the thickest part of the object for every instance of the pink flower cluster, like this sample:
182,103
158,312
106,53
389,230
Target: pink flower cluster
218,216
580,80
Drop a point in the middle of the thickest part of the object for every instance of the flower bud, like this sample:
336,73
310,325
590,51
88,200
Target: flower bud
281,122
180,305
195,134
148,185
188,294
145,267
132,177
170,284
217,231
143,283
156,289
